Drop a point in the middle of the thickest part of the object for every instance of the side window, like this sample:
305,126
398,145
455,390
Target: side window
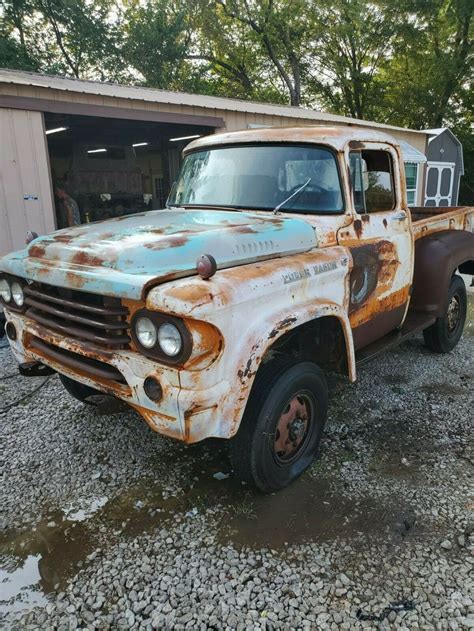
378,181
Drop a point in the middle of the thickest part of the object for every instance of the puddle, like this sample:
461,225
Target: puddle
309,511
85,509
442,389
395,379
19,585
42,560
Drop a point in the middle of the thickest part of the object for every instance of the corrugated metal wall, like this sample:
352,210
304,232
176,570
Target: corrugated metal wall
26,201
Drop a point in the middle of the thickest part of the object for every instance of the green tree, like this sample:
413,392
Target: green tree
283,31
431,66
354,40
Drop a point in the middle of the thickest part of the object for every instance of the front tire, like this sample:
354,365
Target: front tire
78,390
282,425
445,333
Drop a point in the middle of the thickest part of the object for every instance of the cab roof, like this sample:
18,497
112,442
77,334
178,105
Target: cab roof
336,137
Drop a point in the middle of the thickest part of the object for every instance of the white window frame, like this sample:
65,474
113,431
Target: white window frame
417,181
439,166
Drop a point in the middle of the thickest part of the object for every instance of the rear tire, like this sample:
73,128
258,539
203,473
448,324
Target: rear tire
282,425
78,390
445,333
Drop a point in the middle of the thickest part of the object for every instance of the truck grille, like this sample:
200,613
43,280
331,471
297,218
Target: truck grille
83,316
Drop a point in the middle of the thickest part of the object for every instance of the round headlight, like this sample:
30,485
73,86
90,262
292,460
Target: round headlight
17,294
170,339
146,332
5,291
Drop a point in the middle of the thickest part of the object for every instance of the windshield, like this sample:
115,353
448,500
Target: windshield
260,177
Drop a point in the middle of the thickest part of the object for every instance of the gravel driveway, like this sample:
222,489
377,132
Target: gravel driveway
107,525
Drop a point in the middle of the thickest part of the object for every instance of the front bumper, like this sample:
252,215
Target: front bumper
188,415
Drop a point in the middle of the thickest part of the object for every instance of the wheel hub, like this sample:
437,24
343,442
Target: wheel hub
453,314
296,428
293,428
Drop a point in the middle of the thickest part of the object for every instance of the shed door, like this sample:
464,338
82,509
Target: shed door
439,183
26,199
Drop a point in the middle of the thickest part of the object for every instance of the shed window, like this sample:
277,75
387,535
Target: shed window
411,174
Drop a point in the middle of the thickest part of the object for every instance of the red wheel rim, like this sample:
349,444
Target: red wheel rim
293,428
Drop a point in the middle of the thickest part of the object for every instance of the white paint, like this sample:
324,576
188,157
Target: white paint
440,167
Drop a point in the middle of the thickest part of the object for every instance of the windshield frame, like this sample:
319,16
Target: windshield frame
292,211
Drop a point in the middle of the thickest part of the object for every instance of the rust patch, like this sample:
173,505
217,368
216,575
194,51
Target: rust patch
356,144
36,251
283,324
358,228
246,230
63,238
375,265
84,258
170,242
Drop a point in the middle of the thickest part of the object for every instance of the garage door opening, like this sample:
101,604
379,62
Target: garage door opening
103,168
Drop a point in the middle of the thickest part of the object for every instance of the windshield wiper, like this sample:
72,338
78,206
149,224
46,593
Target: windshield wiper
276,210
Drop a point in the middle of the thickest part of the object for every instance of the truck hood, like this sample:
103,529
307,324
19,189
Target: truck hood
121,257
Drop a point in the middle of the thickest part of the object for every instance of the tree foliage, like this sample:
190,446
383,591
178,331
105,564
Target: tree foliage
406,63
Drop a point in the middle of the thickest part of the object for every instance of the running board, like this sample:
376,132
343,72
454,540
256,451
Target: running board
414,324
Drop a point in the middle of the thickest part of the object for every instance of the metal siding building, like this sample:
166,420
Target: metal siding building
27,100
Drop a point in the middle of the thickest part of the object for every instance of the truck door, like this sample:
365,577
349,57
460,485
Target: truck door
380,241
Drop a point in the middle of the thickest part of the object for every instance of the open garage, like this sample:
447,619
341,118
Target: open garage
76,151
111,167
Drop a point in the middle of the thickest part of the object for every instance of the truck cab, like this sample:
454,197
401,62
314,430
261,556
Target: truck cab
282,254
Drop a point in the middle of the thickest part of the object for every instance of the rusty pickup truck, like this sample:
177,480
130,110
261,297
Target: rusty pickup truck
282,254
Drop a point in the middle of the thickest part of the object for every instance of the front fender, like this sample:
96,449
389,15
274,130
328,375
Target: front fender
252,306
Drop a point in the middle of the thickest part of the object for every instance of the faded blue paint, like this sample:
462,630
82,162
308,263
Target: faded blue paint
121,257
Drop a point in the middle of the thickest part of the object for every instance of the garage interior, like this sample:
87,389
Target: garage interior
112,167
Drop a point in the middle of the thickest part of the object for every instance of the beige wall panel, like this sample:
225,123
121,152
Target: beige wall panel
7,88
25,192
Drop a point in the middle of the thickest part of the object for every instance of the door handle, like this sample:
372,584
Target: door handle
401,216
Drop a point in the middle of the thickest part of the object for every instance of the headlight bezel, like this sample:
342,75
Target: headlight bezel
11,304
156,352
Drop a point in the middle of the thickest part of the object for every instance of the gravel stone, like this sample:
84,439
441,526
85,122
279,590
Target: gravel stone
131,530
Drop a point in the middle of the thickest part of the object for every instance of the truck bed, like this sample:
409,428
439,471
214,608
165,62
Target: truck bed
429,219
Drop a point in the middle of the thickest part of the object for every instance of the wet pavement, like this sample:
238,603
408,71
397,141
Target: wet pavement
37,562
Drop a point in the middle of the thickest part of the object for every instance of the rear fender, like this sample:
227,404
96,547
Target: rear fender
437,257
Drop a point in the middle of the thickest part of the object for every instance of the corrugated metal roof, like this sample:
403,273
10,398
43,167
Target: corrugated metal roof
154,95
410,154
